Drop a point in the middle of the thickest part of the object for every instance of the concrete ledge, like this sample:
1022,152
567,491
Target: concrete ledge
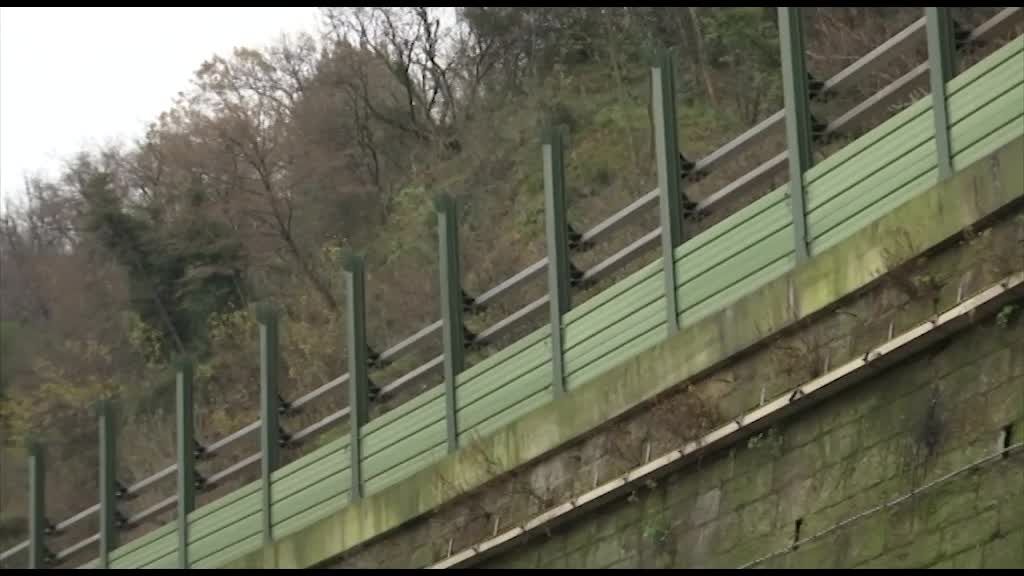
923,223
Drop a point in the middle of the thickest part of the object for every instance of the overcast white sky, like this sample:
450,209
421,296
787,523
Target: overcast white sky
74,77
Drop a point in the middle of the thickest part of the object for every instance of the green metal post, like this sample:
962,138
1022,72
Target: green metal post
358,379
941,64
108,469
186,457
36,506
798,120
451,306
557,248
269,436
670,187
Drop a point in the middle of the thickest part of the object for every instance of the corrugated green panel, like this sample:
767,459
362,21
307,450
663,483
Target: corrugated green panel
164,542
594,325
333,449
992,86
495,362
143,541
218,559
642,342
613,292
979,125
209,525
407,468
165,562
312,495
909,188
227,536
994,141
526,384
735,270
829,194
327,465
692,266
872,189
410,447
729,295
609,343
743,216
539,398
869,140
324,509
1010,50
889,166
400,412
414,424
223,502
527,360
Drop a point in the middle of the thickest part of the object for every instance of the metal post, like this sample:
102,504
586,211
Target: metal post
269,436
186,457
557,247
798,120
670,187
108,470
36,506
355,284
941,63
451,306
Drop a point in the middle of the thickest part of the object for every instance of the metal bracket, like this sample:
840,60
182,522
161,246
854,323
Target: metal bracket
199,451
686,170
576,241
121,491
49,558
120,520
283,406
816,90
372,390
576,277
51,528
283,437
470,340
469,304
374,360
962,37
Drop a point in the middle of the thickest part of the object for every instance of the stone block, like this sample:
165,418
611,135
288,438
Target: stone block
604,553
1005,404
729,532
1005,552
865,539
801,430
820,554
706,507
867,468
758,518
1000,483
925,550
901,524
971,531
840,442
971,558
746,488
947,506
1011,512
794,502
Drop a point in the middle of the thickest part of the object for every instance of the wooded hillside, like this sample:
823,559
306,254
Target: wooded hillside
276,162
